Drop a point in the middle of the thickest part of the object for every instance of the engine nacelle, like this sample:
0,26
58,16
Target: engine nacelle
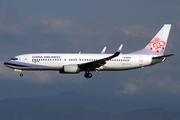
70,69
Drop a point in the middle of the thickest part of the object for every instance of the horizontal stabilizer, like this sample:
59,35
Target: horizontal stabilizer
164,56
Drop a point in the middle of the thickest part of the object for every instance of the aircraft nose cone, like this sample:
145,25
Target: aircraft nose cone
6,63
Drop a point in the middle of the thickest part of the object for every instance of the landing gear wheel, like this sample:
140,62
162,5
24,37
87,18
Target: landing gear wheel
87,75
21,75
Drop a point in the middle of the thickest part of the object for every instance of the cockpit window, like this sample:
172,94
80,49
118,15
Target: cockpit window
14,58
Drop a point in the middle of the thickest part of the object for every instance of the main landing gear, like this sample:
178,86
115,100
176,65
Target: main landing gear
21,75
87,74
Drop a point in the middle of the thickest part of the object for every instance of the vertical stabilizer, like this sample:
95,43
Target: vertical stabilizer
158,44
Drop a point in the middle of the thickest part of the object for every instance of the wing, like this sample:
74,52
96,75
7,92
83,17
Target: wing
96,64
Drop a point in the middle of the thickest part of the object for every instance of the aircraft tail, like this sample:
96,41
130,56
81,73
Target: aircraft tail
158,44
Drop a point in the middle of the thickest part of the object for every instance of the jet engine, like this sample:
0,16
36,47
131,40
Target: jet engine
70,69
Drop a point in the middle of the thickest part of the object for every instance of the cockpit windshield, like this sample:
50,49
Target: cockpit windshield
14,58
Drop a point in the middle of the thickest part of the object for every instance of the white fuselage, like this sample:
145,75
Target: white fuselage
57,61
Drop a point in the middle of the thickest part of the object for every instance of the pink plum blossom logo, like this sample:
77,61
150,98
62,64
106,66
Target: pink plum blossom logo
157,45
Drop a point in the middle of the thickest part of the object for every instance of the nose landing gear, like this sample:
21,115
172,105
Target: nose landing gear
21,75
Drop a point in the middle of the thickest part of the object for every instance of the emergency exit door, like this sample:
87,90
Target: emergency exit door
140,60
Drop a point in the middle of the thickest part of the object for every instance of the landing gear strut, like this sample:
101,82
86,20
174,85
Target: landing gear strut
21,75
87,75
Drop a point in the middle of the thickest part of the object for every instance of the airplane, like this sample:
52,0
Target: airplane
73,63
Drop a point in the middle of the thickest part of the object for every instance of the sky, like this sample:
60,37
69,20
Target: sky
43,26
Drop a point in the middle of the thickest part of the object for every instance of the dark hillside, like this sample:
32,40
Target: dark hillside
74,100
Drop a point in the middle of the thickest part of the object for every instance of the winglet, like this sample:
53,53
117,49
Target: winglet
118,51
104,50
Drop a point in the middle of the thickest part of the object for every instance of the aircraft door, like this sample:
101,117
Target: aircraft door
140,60
25,59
